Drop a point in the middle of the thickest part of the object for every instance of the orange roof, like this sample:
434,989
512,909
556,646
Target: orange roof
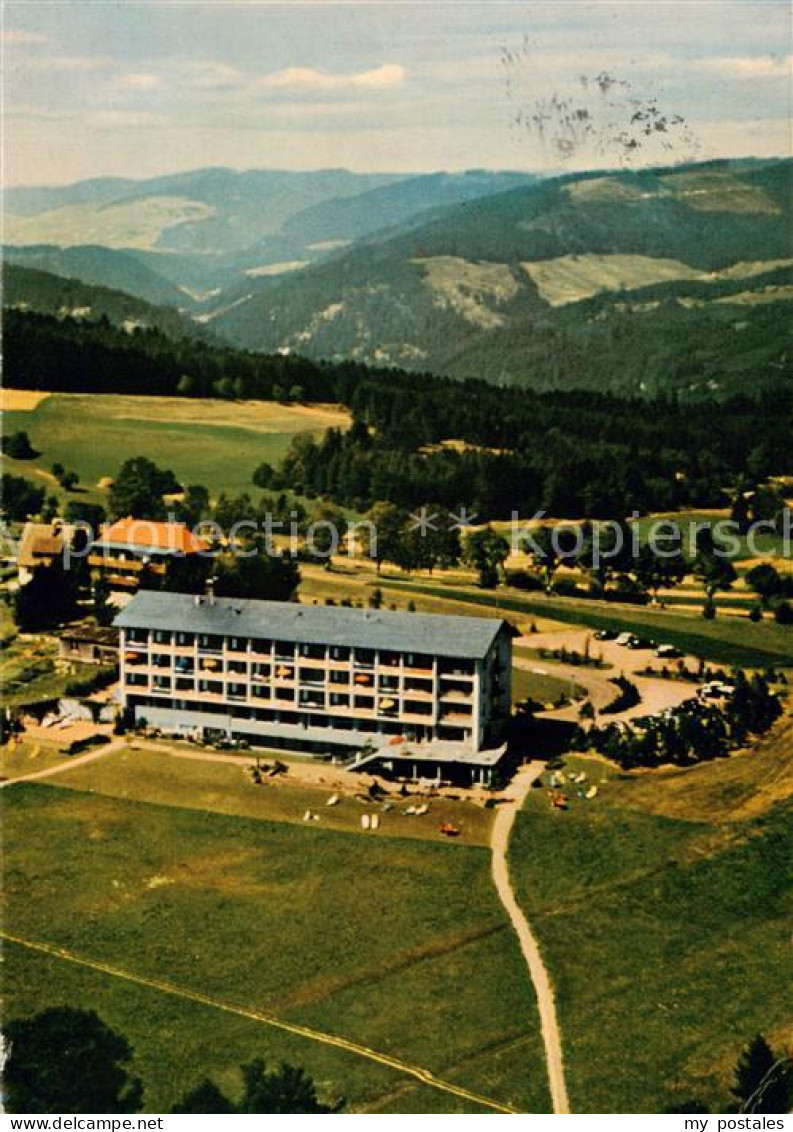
145,533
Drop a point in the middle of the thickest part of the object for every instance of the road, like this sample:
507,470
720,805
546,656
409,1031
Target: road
69,764
546,1002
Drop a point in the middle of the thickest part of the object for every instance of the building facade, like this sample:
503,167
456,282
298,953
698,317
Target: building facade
89,644
316,678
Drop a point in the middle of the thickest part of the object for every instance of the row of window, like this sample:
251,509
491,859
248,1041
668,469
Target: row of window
288,650
303,719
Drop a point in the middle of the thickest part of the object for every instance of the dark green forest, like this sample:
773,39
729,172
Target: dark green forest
569,453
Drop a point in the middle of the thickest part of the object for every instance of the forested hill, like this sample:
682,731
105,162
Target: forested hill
677,279
41,292
574,453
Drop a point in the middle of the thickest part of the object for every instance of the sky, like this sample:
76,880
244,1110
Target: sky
125,88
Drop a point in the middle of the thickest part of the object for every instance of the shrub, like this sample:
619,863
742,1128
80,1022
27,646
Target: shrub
86,683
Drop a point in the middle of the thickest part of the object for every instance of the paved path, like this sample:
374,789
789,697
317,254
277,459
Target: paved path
499,842
423,1075
69,764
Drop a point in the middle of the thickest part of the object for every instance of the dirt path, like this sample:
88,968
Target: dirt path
546,1003
68,764
425,1076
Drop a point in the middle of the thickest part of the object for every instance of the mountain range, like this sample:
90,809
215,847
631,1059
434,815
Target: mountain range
677,278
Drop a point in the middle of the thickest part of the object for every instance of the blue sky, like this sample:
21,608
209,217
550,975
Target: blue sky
97,88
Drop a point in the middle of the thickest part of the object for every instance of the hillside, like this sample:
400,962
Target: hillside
101,267
27,289
633,282
209,229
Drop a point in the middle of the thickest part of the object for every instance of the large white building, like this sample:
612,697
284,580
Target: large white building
400,692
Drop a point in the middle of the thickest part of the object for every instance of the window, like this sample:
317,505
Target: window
137,679
161,637
162,684
339,678
184,664
238,666
213,687
185,638
364,657
313,652
185,684
236,691
260,692
312,699
161,660
339,699
261,646
311,676
338,652
137,636
285,650
211,642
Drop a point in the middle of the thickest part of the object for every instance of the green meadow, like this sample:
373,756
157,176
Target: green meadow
216,443
397,944
662,909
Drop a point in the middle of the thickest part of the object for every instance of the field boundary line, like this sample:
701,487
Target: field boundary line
69,764
538,972
423,1075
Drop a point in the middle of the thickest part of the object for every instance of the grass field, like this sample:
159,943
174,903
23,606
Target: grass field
662,909
414,958
726,640
217,443
21,758
226,787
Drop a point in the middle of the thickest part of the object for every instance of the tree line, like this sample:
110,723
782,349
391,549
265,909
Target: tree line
568,453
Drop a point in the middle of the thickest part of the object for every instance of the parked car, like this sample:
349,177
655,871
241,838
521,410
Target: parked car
606,635
668,652
623,639
641,643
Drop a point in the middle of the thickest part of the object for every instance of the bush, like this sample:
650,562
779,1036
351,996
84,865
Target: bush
85,684
783,613
79,745
524,580
627,697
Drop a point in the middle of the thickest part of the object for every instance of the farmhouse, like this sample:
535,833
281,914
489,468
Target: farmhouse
426,694
124,549
89,644
39,545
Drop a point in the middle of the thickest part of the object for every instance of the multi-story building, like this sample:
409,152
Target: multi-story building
124,549
397,688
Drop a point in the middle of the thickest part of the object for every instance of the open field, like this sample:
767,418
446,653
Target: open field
20,758
414,958
726,640
662,908
225,786
217,443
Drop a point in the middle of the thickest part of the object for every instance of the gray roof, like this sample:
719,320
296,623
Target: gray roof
469,637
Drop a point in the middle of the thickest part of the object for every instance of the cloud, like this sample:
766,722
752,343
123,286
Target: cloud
307,78
142,80
122,119
16,35
752,66
209,74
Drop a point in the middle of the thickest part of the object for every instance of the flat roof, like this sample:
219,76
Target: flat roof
436,634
